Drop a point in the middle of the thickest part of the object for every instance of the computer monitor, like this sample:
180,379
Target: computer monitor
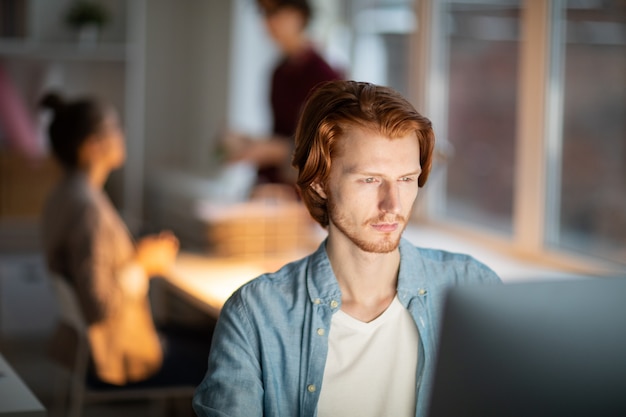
533,349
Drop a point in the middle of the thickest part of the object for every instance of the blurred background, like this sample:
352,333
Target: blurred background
527,98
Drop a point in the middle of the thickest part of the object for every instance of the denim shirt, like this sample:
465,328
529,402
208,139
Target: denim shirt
271,340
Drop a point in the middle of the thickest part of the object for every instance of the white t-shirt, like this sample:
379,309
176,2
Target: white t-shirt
371,367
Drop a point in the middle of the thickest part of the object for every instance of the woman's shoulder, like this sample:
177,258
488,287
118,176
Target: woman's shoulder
71,197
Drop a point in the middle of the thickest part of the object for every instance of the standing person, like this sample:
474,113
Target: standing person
350,330
299,70
87,243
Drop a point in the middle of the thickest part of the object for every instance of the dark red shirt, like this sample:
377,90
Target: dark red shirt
292,80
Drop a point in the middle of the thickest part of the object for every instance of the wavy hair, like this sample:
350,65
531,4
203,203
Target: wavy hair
334,108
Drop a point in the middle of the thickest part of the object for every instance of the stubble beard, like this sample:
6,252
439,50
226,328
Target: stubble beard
390,241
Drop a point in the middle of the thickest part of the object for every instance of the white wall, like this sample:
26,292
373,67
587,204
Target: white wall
187,56
251,63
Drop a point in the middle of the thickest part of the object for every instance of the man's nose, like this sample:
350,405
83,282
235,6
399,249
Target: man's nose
390,198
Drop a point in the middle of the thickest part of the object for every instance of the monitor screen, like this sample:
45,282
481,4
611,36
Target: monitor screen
535,349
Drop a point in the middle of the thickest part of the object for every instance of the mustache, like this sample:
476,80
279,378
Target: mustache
395,218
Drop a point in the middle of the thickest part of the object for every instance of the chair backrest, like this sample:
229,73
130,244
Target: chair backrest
70,314
79,393
69,308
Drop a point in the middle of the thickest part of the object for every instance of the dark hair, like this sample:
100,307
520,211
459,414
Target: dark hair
72,123
335,107
268,6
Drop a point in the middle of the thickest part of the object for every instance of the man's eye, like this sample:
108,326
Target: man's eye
407,179
370,180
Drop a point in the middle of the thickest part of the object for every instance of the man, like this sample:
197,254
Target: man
300,68
350,330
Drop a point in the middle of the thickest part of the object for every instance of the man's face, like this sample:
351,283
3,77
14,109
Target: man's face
372,188
285,24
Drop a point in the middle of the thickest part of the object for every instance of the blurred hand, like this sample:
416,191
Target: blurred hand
157,253
234,145
260,151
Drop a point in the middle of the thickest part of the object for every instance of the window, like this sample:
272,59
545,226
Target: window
482,62
532,121
590,213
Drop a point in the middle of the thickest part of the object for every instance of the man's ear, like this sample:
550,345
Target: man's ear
318,189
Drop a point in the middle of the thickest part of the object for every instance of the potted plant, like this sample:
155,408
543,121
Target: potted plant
87,18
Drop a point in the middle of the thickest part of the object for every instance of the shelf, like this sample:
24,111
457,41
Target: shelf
64,51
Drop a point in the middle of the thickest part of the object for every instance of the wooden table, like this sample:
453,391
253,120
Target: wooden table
16,399
207,282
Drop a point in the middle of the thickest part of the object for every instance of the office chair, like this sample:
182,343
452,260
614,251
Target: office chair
77,392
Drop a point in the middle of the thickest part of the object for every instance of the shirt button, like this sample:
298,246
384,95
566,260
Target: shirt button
320,332
311,388
422,291
334,304
317,301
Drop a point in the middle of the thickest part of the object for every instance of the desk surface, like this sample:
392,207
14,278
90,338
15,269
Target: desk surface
16,399
207,282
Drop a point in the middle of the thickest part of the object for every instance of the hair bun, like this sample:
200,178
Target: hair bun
52,101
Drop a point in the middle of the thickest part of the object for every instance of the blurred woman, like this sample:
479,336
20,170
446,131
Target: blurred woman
87,243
